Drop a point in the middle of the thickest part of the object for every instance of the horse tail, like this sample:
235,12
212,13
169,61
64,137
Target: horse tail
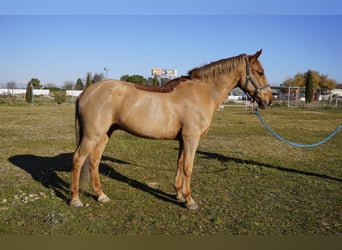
85,169
77,124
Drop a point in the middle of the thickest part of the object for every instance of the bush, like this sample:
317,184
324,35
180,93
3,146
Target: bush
59,97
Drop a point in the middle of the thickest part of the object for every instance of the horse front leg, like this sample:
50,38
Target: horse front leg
179,175
189,151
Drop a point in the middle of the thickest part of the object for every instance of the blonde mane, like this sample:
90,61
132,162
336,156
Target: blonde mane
216,68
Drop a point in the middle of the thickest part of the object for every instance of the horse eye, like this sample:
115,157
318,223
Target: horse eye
261,73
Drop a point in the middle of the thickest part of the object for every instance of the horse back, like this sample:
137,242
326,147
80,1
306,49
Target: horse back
149,114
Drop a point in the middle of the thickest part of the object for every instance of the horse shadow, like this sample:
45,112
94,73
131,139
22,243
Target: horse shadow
225,159
45,171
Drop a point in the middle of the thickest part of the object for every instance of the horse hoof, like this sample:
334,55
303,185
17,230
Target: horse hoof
192,206
103,198
76,203
180,198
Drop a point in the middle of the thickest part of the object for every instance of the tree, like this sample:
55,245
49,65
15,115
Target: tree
318,80
35,82
124,78
79,84
11,85
330,84
89,81
152,81
327,83
164,80
68,85
299,80
138,79
51,86
98,77
309,86
155,81
29,92
296,81
59,96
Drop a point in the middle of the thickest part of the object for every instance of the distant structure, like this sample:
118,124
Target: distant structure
106,69
164,73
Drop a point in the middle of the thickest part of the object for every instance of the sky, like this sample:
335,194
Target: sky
59,41
178,7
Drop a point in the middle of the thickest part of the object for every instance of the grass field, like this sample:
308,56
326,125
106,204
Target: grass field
245,181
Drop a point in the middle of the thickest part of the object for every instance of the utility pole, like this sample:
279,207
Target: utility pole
106,69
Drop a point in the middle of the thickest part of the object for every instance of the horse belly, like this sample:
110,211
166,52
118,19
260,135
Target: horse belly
150,119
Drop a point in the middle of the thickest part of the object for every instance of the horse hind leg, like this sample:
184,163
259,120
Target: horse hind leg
75,181
95,159
79,162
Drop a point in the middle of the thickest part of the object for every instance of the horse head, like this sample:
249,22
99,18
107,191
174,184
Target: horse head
255,81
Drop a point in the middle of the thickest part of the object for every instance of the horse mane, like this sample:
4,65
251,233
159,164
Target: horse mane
207,71
216,68
167,88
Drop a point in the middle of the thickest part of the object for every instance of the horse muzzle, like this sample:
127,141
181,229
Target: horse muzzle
264,99
263,103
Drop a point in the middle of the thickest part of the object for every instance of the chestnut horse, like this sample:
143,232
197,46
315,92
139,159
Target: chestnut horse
182,110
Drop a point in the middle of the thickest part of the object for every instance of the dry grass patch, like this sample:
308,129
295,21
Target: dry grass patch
245,181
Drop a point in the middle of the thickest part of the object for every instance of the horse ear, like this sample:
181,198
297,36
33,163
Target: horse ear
255,56
258,53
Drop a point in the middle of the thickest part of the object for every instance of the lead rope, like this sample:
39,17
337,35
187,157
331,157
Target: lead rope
293,143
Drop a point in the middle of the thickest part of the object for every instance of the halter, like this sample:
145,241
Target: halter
249,78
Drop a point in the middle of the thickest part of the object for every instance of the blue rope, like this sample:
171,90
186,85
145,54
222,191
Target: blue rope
297,144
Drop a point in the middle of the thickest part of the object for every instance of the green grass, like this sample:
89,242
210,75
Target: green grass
245,181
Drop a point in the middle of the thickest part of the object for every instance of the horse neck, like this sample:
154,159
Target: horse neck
222,84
